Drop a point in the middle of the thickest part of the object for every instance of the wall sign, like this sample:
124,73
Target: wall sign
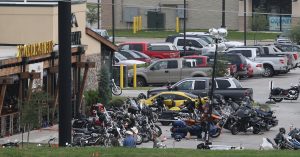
36,49
274,23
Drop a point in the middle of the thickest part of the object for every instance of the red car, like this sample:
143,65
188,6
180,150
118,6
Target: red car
153,50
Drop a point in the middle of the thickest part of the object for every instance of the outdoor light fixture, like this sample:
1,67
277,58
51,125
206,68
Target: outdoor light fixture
218,34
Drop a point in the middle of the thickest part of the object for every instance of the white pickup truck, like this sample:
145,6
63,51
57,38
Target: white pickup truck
273,64
292,56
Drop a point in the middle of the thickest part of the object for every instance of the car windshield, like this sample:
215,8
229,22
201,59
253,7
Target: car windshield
206,39
192,95
237,83
119,56
202,42
142,55
133,54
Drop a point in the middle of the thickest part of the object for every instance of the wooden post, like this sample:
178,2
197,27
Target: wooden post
4,82
86,69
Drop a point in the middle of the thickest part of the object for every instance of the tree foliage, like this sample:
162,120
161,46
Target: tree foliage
295,34
91,14
104,85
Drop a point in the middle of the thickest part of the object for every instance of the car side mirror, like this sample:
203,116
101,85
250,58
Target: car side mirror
175,88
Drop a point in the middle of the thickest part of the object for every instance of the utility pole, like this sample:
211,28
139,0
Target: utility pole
98,14
184,27
64,72
113,20
245,23
223,14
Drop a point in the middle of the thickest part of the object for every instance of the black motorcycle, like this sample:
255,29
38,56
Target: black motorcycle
245,118
278,94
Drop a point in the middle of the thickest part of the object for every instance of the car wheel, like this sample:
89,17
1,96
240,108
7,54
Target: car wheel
269,72
141,82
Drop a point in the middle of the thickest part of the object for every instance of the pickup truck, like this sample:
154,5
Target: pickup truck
228,87
153,50
202,61
292,56
271,50
273,64
165,71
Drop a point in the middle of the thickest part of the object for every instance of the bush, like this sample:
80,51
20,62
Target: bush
91,97
104,86
116,103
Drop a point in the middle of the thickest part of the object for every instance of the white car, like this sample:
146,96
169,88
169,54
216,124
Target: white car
120,59
230,44
103,33
258,68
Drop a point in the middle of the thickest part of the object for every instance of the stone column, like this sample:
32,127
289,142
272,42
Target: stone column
295,12
241,14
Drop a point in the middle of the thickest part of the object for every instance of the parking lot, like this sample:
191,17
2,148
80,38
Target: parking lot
288,113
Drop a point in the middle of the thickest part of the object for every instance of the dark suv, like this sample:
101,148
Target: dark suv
237,59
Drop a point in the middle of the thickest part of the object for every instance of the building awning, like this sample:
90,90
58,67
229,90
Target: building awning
101,39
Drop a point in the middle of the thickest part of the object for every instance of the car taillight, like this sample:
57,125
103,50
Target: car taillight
295,56
241,66
281,61
259,65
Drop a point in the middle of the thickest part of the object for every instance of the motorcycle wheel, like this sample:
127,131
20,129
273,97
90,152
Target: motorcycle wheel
256,130
277,99
164,123
234,130
139,139
155,117
116,90
157,129
217,133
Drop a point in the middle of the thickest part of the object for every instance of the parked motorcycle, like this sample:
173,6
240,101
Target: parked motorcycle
279,94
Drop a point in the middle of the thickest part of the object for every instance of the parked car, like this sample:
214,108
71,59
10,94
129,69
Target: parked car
120,59
165,71
283,40
272,64
135,55
228,87
202,61
256,69
237,59
289,47
171,98
103,33
154,50
193,44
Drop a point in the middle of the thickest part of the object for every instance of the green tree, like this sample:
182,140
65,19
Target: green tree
104,85
91,14
295,34
30,111
259,21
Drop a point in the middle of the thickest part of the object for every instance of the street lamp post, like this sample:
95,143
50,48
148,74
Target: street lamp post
113,20
218,34
245,27
184,27
223,14
98,14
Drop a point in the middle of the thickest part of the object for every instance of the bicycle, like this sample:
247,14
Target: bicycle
116,90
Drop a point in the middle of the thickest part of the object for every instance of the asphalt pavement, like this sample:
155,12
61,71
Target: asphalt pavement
287,112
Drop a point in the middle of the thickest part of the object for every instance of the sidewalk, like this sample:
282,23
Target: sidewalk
35,136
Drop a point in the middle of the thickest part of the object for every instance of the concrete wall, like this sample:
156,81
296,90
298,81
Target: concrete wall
295,13
23,24
202,14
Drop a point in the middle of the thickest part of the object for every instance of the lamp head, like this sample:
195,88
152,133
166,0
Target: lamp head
222,32
213,31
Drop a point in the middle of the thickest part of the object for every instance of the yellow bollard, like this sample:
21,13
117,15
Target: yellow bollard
140,23
177,24
134,75
134,25
121,76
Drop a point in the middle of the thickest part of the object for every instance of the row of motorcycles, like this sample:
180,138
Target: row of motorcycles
234,116
107,127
